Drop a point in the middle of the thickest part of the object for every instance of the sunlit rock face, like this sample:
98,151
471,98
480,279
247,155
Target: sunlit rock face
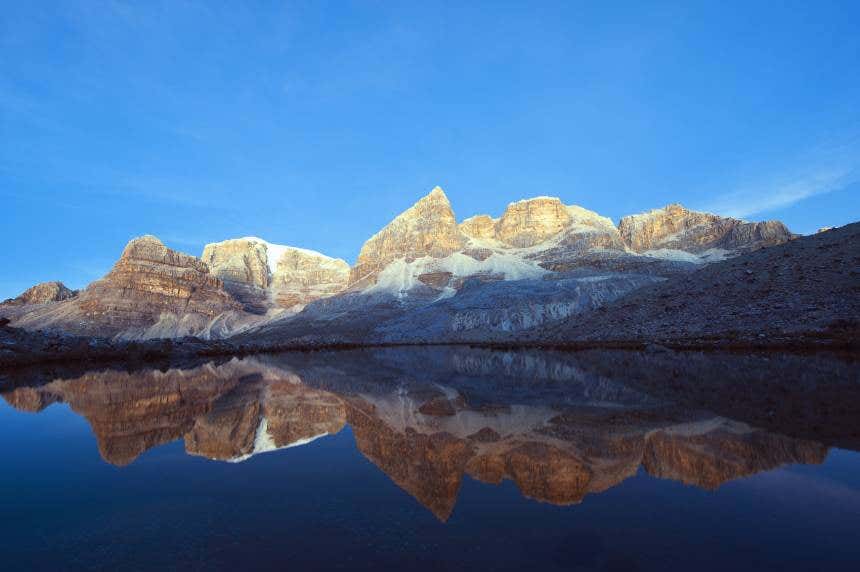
677,228
302,276
428,228
150,280
152,291
532,221
43,293
241,260
263,275
479,226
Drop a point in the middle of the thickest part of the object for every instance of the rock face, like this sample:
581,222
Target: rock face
428,228
302,276
152,291
479,226
43,293
530,222
263,275
150,280
243,260
677,228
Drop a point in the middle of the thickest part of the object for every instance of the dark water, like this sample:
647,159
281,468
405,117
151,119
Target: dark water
436,459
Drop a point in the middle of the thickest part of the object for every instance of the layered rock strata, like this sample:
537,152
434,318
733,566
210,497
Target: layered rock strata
152,291
263,275
677,228
428,228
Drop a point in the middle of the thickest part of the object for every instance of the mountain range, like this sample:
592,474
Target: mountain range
537,272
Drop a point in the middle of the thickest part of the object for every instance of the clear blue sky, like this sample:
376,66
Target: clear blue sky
314,123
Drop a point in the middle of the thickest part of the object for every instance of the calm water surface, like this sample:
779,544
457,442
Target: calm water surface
436,459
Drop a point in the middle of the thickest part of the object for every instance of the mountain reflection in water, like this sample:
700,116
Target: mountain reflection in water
560,426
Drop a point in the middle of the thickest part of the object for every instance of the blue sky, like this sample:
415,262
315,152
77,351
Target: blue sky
314,123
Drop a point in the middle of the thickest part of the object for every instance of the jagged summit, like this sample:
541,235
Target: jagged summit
427,228
437,192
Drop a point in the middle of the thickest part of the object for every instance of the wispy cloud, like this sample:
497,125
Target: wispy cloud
752,199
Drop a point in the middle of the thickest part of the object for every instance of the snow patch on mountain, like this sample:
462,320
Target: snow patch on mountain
401,276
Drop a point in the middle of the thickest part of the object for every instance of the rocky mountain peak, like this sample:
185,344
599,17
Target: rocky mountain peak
302,276
531,221
151,291
479,226
436,193
43,293
675,227
149,249
244,260
427,228
261,274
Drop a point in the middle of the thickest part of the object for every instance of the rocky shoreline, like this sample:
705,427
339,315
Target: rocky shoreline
19,348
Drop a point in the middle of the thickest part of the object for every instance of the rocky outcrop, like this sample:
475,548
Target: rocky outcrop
43,293
302,276
243,260
150,280
479,226
677,228
804,288
428,228
263,275
152,291
532,221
